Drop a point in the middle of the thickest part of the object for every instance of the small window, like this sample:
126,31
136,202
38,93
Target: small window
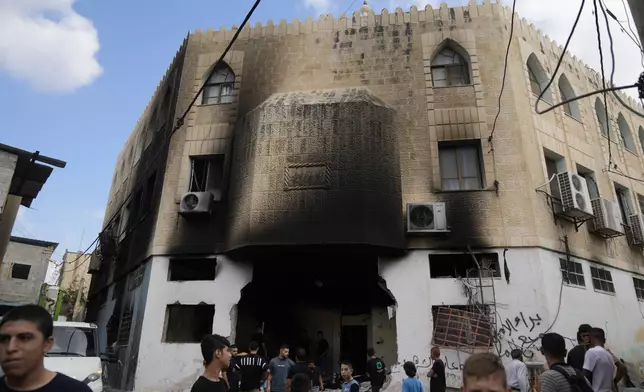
591,183
219,87
538,78
600,112
20,271
460,165
449,68
572,273
624,201
602,280
188,323
639,288
534,82
567,93
206,173
626,137
192,269
457,265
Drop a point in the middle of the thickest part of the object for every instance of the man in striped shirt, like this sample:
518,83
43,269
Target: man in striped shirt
553,347
252,369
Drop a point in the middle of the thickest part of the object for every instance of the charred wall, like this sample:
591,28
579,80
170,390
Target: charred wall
316,167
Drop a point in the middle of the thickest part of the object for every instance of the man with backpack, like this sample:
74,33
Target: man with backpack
559,377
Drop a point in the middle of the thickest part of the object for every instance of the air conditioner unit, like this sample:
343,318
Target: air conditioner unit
608,218
194,203
636,224
575,200
426,218
94,263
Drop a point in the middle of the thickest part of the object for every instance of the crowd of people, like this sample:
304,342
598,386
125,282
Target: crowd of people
26,337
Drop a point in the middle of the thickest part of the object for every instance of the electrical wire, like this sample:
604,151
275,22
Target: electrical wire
505,70
565,49
609,89
601,63
177,126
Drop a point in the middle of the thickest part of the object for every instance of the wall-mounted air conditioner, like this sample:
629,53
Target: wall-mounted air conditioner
195,203
575,200
608,218
426,218
637,230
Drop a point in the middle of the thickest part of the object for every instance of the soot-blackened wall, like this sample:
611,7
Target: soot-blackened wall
317,167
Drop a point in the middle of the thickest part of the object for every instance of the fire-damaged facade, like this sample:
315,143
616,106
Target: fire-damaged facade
345,176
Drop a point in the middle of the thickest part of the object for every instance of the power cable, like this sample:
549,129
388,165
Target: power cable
178,124
601,63
505,71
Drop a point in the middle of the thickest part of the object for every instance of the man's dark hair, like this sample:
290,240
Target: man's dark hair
300,383
598,333
210,344
348,363
371,352
232,346
34,314
583,328
283,346
554,345
516,354
253,346
301,355
410,369
320,333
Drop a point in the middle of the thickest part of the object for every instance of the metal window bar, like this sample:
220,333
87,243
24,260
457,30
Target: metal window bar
462,329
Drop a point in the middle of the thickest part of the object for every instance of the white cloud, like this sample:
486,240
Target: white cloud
48,44
319,6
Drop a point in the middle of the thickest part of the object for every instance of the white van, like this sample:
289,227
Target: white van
75,353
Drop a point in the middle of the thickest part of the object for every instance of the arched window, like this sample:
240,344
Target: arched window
600,111
449,67
538,78
219,87
567,93
640,134
625,133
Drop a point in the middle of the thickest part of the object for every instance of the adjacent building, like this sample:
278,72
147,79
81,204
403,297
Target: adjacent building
23,271
351,176
75,280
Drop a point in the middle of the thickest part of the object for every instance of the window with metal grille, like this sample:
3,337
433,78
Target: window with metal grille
219,87
463,327
124,328
572,273
639,288
460,165
449,68
602,280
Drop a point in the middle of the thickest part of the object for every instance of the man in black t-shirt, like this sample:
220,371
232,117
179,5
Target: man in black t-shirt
232,378
216,357
301,366
258,337
321,351
26,335
315,374
437,381
375,370
251,369
577,355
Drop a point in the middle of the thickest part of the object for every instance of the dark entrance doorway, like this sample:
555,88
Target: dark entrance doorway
353,346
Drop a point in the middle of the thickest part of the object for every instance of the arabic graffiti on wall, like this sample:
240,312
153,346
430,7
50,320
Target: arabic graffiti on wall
523,331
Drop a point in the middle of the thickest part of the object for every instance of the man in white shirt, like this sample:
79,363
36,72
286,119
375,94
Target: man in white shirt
517,372
599,367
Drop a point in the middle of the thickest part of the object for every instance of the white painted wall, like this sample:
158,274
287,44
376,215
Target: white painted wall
532,295
174,367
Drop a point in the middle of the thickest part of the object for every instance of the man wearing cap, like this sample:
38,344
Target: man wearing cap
577,354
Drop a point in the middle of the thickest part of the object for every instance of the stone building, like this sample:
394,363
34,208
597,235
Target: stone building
23,272
344,175
75,279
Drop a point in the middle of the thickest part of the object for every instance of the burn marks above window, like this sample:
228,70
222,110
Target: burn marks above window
192,269
457,265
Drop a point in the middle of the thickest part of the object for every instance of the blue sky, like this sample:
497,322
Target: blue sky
76,74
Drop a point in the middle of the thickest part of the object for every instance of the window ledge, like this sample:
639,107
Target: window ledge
465,190
612,140
632,152
542,100
574,286
573,118
605,292
456,85
201,105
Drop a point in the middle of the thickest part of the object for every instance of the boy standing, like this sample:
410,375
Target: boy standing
375,370
437,381
348,383
216,357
